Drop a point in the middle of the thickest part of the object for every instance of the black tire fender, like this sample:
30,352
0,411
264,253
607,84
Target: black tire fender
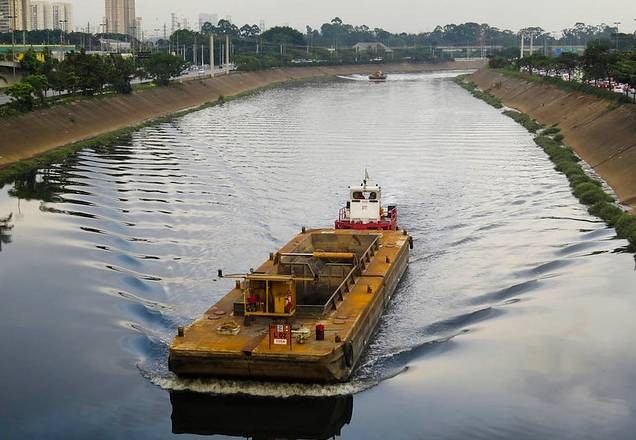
347,349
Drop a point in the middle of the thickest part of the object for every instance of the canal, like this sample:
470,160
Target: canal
515,318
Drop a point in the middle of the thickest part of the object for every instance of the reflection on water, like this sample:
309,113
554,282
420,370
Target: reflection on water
259,418
5,230
514,319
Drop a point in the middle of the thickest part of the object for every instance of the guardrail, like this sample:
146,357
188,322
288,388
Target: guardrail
338,295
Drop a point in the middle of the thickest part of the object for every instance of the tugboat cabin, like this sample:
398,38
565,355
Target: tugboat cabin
364,209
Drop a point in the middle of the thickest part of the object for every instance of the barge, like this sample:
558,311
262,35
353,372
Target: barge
308,312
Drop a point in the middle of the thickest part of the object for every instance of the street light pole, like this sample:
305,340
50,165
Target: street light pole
14,17
617,23
62,29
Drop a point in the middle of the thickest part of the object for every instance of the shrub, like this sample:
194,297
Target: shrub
625,225
632,239
530,124
550,131
483,95
22,96
582,178
595,195
569,168
606,211
584,187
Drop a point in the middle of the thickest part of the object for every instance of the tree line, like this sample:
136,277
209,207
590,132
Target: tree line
600,62
86,74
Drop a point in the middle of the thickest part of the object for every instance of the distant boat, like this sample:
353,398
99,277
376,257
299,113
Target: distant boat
377,76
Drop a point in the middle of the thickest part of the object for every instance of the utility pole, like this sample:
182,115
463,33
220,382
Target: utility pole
227,53
531,43
617,23
212,54
194,52
522,45
14,17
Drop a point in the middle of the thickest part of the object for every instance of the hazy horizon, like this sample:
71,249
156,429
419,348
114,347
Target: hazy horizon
396,16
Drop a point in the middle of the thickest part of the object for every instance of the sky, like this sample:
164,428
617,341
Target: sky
392,15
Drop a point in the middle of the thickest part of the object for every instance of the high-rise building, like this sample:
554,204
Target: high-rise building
62,16
120,16
40,15
15,15
47,15
139,28
208,18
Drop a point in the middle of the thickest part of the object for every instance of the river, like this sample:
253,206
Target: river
515,318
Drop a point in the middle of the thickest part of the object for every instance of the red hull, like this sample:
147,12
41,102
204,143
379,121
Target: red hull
387,223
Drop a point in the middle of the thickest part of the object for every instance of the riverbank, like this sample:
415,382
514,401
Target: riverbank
601,132
32,134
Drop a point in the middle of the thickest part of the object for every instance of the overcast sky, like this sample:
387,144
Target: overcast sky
392,15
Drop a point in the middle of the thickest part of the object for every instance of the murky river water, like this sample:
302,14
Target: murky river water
515,318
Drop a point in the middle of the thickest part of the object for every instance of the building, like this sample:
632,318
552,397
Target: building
62,16
40,15
372,48
139,31
109,45
47,15
15,15
208,18
120,16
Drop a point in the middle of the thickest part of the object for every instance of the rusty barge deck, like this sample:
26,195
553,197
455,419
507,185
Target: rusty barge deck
341,279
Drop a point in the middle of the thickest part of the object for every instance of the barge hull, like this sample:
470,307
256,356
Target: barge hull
327,361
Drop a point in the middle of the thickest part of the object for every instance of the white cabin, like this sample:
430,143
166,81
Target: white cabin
365,203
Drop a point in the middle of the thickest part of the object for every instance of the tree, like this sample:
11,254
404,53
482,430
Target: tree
30,62
161,67
40,85
120,71
22,96
284,35
625,70
569,62
598,60
89,69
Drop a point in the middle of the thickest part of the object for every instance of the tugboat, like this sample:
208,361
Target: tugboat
364,209
377,76
308,312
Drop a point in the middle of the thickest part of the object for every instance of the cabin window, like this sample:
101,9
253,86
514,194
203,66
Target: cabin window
364,195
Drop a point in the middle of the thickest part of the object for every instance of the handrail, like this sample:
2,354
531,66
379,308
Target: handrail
357,266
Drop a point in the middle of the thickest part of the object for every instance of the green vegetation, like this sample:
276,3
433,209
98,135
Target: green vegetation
162,66
568,86
601,63
82,74
477,93
588,190
531,125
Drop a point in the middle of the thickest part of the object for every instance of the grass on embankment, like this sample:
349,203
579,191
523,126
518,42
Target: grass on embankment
474,90
588,190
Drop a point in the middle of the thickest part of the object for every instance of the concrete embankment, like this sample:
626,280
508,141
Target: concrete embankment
601,132
34,133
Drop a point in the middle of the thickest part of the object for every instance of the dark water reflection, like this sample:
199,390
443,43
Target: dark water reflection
514,320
